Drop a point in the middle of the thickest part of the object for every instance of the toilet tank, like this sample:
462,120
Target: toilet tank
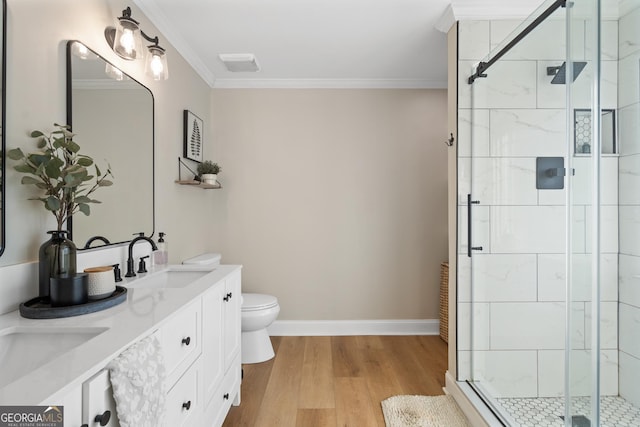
204,260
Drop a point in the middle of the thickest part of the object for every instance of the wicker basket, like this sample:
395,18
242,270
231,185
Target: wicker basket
444,301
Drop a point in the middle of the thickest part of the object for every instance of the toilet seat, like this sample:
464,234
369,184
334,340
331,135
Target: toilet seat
256,302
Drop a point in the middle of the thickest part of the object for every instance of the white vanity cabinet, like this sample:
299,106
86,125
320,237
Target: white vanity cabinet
201,347
98,405
180,340
222,370
72,404
195,314
213,340
232,317
184,402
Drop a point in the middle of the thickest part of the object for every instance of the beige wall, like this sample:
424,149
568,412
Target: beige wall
335,201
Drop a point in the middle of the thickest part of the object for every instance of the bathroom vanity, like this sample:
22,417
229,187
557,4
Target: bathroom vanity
194,313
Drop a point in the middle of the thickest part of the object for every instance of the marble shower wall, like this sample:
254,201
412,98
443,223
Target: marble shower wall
505,121
629,136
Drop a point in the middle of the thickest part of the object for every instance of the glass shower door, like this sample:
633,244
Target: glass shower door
513,213
548,208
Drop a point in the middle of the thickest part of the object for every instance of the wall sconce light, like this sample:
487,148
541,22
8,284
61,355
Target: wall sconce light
125,40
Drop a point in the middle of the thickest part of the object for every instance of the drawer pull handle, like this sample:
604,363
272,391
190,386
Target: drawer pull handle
186,341
104,418
187,405
226,396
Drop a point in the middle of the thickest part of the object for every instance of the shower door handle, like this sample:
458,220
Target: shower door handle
469,247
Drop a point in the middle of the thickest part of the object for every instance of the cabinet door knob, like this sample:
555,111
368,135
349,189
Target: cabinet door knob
226,396
230,294
186,341
104,418
226,298
187,405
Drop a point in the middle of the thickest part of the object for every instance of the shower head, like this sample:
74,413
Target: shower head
559,73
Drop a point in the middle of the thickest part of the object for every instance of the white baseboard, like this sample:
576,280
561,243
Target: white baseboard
354,327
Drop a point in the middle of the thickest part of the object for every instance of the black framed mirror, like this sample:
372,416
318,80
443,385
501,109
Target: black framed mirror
112,116
3,104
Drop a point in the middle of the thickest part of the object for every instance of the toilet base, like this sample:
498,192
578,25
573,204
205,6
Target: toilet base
256,347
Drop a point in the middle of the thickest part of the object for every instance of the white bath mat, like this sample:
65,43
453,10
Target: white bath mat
423,411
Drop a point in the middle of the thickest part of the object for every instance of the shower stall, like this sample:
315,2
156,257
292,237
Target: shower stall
548,189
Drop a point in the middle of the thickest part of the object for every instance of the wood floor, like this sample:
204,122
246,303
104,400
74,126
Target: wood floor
337,381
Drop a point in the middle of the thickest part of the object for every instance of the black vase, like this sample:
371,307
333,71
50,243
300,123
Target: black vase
57,257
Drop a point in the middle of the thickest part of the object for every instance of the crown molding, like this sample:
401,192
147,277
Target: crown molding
183,48
493,9
328,84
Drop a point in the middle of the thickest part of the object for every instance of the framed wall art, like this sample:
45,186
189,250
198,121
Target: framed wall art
193,136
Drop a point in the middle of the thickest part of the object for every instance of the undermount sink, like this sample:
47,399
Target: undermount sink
24,349
169,279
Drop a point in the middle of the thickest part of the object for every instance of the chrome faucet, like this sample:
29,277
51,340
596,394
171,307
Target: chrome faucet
130,268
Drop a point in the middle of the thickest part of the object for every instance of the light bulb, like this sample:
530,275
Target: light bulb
156,66
127,41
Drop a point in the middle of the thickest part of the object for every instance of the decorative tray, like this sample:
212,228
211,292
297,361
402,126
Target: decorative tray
40,307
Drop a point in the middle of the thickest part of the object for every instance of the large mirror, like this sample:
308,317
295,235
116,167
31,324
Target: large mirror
112,116
3,68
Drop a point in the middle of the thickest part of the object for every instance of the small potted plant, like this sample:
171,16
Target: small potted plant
208,172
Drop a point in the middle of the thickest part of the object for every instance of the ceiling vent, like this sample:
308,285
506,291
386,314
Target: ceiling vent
240,62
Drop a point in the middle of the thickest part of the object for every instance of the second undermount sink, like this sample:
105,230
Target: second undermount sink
24,349
172,278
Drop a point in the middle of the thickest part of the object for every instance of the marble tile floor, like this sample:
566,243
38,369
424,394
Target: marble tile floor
547,412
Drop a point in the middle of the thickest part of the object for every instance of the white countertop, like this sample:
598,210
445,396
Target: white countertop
141,314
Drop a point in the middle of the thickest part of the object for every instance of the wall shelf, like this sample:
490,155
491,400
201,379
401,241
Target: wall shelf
199,184
194,182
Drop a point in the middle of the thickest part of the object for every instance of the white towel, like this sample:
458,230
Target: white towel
138,381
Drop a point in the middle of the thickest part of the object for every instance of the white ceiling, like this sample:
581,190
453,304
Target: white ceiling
320,43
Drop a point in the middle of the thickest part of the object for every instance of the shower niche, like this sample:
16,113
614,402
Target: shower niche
582,131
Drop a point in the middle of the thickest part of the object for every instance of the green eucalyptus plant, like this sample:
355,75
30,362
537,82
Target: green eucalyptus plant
208,167
62,172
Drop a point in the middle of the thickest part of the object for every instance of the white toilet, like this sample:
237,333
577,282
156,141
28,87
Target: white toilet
258,312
